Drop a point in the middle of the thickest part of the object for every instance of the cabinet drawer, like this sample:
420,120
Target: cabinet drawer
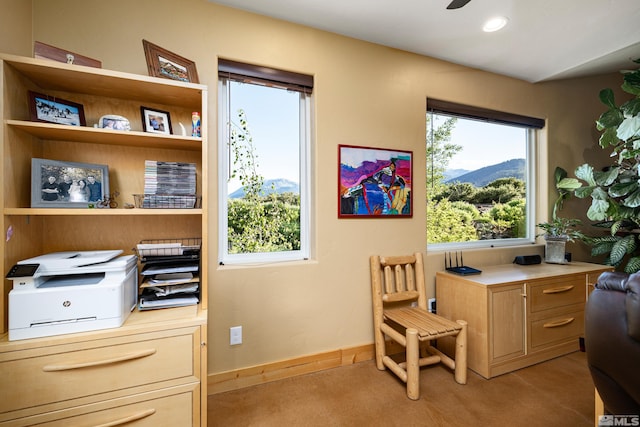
177,406
557,329
100,366
557,293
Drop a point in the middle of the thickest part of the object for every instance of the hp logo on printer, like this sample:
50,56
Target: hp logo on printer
66,304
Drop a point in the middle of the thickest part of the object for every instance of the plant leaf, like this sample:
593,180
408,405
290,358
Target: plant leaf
585,173
633,201
629,127
631,82
615,227
609,137
560,174
584,192
610,118
607,98
631,88
621,248
599,194
606,178
568,184
598,210
631,108
622,189
601,249
633,265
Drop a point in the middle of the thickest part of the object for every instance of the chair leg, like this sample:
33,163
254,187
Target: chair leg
461,354
413,364
381,351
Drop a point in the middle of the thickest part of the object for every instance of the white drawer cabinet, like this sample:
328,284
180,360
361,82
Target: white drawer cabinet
517,315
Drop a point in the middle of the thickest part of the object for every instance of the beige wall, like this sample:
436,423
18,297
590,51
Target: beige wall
364,95
15,27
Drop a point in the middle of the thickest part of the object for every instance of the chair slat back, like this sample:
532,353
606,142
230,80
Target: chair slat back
398,279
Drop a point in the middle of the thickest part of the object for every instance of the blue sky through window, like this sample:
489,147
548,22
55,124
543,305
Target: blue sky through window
273,118
484,143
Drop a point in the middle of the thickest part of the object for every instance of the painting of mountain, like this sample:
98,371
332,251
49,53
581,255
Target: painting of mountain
514,168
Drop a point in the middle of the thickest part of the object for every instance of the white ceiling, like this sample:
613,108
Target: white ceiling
544,39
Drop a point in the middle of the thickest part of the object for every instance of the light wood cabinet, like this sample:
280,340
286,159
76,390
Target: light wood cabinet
518,315
152,370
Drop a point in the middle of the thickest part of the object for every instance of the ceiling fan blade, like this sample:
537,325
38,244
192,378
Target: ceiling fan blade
457,4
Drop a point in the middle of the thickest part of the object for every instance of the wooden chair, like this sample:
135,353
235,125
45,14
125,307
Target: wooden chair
400,313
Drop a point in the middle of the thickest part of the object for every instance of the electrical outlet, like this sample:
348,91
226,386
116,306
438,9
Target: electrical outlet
235,335
431,305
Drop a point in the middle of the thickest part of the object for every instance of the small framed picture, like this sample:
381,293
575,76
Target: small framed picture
155,121
162,63
45,108
114,122
56,184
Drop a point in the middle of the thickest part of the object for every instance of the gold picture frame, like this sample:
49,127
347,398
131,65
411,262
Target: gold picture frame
168,65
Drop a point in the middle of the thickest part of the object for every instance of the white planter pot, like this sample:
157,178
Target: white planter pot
555,250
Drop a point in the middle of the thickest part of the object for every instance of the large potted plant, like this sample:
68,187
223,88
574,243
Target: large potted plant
614,190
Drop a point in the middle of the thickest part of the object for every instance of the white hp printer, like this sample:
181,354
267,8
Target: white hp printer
67,292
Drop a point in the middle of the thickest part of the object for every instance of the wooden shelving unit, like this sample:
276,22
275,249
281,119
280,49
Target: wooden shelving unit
143,384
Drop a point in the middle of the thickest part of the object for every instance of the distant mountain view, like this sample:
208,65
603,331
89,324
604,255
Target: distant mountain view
449,174
480,177
279,186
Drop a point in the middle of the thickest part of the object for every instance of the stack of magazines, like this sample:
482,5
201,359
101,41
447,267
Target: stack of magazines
170,273
169,178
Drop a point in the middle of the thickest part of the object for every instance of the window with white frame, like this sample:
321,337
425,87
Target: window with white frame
481,175
264,148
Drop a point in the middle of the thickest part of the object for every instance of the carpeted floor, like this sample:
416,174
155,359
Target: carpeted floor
558,392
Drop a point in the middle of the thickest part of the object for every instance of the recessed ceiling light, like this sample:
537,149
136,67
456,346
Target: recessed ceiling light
495,24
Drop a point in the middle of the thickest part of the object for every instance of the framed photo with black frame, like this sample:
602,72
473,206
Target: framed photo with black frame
156,121
51,109
59,184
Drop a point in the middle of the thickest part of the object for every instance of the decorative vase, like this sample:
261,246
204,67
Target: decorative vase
555,249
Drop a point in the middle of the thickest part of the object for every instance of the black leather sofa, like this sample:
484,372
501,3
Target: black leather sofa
612,341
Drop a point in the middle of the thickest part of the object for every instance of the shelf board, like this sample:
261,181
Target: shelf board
57,132
98,212
101,82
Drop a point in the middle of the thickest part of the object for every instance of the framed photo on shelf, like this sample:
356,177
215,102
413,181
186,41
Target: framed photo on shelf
114,122
45,51
51,109
56,184
162,63
155,121
374,182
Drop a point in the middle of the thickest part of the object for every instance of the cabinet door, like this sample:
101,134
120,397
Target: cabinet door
507,314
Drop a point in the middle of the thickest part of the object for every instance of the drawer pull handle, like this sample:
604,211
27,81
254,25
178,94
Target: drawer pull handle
559,323
130,418
558,290
90,364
